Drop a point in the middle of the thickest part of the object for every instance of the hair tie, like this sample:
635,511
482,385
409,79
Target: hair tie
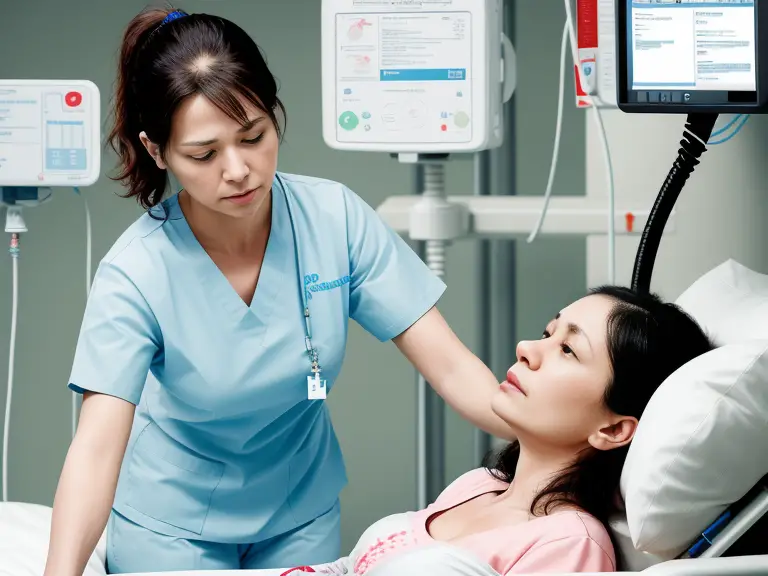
175,15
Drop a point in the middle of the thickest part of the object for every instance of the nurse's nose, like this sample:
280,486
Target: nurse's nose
235,168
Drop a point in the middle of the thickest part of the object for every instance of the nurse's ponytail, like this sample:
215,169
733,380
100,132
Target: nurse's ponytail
160,66
137,169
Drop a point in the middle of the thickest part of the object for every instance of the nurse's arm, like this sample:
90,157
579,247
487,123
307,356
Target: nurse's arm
88,481
453,371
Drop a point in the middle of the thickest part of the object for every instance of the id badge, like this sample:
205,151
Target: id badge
315,388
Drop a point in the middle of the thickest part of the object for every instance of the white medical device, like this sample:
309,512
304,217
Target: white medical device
49,133
50,137
414,76
714,67
420,79
423,79
691,57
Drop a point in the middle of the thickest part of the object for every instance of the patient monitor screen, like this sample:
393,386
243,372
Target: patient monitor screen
404,77
691,51
48,134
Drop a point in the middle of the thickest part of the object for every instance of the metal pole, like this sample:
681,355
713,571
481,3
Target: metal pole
503,277
483,185
431,408
494,171
421,447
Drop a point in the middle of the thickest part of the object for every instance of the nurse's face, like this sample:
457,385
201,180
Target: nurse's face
554,394
224,166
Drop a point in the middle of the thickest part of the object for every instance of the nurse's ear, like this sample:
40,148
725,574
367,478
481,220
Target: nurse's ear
154,151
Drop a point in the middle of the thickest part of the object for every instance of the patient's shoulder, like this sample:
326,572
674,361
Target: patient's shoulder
577,524
570,541
569,524
474,482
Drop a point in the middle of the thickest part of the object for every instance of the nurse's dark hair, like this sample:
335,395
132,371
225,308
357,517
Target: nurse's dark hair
647,340
162,64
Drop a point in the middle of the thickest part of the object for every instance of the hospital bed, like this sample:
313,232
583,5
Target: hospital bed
695,484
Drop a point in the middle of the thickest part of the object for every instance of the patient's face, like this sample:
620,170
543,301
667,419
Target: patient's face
562,379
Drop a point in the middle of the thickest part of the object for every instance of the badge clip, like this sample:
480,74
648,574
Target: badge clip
316,387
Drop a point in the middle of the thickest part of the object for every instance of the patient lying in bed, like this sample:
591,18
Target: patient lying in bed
572,401
564,541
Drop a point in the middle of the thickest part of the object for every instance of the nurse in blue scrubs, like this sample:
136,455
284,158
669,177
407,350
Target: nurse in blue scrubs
217,325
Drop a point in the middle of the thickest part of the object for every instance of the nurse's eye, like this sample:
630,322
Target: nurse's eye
204,158
254,140
545,334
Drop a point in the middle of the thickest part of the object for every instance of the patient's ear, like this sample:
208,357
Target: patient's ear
614,433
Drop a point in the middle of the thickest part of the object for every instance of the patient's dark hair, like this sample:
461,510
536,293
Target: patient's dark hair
647,341
162,64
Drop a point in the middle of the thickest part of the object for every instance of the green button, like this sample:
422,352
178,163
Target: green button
461,119
348,120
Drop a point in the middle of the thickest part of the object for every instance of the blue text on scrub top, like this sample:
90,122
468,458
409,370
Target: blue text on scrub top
312,284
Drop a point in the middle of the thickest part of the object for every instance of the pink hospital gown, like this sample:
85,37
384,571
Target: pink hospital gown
568,541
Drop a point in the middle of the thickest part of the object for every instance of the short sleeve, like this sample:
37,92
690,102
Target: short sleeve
390,286
118,338
564,556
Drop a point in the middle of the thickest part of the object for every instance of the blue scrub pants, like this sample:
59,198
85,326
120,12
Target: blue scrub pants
131,548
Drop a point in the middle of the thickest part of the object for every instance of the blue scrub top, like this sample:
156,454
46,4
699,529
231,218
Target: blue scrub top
225,444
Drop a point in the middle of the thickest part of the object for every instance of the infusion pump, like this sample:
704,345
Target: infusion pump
50,133
415,76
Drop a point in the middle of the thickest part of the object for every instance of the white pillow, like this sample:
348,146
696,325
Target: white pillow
633,560
702,442
730,302
24,533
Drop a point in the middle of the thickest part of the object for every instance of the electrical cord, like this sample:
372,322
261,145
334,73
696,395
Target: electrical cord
569,31
596,103
698,130
14,251
727,126
611,193
88,277
558,132
739,119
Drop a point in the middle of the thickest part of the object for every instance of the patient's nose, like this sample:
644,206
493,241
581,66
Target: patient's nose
528,354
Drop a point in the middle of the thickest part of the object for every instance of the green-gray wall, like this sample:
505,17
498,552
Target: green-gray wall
79,39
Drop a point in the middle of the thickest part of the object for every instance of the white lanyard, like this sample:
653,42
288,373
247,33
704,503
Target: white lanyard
316,388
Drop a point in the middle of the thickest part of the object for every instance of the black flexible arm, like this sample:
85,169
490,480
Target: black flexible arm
698,129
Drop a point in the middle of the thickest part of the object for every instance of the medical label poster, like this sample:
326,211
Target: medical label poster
404,77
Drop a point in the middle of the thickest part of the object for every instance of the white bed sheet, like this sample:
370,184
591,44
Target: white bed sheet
24,534
25,530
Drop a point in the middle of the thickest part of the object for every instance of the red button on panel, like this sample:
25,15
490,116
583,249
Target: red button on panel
73,99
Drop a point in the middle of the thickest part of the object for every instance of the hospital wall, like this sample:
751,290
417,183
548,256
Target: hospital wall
373,403
719,215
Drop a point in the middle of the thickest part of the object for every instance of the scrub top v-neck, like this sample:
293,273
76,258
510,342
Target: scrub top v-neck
226,446
222,295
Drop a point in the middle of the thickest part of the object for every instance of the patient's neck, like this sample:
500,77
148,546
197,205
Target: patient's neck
535,469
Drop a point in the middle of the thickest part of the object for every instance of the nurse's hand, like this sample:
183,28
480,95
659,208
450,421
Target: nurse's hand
453,371
87,484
